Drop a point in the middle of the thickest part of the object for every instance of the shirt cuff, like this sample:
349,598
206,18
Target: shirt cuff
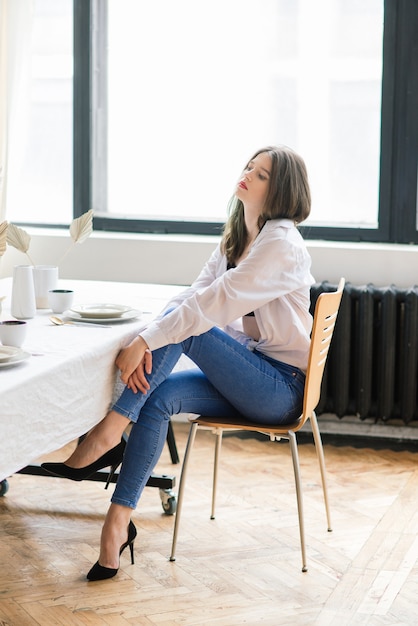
154,336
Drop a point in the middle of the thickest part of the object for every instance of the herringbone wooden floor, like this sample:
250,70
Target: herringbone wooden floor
243,567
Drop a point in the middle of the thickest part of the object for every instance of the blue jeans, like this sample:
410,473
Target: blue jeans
231,381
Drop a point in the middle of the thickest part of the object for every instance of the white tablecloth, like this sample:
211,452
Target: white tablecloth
68,383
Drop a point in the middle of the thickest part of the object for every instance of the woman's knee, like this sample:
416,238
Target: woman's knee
161,401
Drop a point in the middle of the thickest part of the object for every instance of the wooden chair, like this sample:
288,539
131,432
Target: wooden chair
326,310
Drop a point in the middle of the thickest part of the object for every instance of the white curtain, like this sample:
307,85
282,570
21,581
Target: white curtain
3,90
15,41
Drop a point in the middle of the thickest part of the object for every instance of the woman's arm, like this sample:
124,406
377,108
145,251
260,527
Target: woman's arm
135,360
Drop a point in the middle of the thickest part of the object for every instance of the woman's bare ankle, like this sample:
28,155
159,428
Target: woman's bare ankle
114,534
103,437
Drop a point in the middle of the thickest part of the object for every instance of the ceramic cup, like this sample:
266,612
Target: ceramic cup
13,333
60,299
45,277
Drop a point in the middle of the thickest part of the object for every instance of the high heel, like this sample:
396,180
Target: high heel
98,572
112,458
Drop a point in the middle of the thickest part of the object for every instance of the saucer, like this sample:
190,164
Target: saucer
130,314
15,360
101,311
8,352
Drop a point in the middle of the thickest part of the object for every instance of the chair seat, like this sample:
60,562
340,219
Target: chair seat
244,424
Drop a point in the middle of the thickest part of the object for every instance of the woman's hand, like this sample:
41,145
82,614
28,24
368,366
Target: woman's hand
134,362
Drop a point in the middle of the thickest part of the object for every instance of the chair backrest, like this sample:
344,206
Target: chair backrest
325,316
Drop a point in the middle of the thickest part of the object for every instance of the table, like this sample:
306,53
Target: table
69,382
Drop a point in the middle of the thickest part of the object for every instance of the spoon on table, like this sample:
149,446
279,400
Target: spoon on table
60,322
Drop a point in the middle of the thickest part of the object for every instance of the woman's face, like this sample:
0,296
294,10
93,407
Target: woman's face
253,186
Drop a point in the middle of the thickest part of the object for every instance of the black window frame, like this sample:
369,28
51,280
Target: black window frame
399,132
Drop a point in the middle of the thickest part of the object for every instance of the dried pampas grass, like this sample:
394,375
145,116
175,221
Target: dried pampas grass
80,228
19,239
3,237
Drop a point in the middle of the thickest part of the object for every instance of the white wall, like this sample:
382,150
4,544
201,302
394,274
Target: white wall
177,259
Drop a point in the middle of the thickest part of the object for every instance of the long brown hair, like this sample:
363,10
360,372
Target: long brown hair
288,197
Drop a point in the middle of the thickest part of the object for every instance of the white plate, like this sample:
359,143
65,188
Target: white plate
15,360
129,315
101,311
8,352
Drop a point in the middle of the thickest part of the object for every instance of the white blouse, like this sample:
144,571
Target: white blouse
274,281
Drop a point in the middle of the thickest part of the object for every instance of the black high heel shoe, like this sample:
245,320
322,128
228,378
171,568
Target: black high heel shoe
112,458
98,572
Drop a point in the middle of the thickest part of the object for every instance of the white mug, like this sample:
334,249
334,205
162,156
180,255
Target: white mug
13,333
45,278
23,304
60,299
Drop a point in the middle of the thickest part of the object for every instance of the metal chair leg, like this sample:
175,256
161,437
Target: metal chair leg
218,445
182,483
321,460
171,442
299,497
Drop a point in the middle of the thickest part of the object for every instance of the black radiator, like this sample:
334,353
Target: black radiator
372,366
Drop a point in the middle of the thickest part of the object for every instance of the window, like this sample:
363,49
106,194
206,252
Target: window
197,94
205,84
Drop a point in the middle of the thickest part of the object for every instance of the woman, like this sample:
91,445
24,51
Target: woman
244,322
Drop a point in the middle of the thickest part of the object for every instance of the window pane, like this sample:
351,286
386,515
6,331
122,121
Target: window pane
194,88
40,169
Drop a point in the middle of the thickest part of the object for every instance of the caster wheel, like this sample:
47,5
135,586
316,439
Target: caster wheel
4,487
168,501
